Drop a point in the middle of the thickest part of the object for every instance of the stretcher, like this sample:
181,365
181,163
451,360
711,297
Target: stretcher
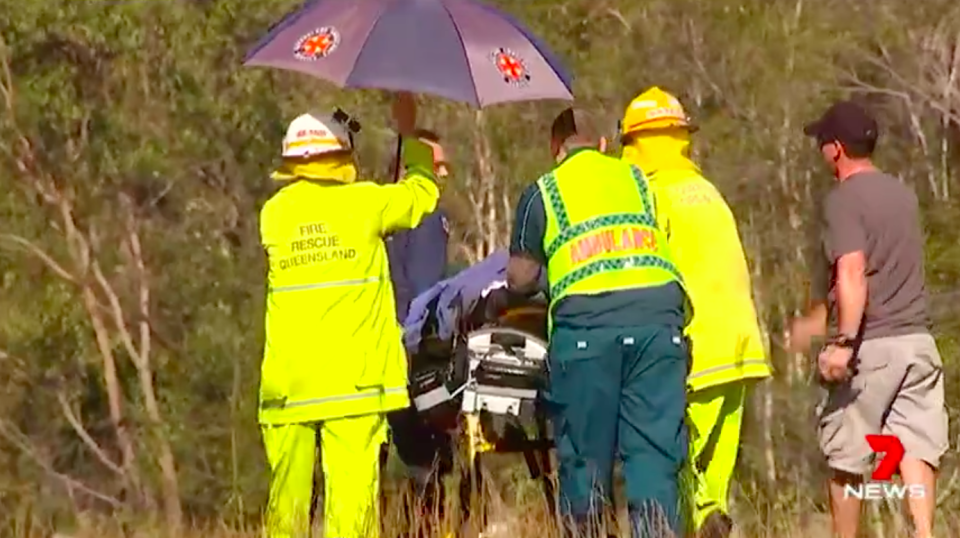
492,375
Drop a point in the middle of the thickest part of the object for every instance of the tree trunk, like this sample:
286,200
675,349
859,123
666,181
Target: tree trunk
114,399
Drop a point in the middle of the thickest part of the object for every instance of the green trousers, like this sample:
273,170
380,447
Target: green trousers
350,449
621,391
716,414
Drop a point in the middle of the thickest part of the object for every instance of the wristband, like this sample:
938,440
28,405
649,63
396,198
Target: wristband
842,340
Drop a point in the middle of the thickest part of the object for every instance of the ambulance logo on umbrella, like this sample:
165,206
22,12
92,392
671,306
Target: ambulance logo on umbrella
511,67
318,44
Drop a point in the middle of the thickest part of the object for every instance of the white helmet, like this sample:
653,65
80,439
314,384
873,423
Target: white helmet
315,134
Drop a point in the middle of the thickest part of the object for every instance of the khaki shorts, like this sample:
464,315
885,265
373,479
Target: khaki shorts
897,390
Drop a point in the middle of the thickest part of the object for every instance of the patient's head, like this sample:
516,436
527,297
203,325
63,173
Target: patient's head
503,308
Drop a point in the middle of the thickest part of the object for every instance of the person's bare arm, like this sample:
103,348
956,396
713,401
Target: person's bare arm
817,315
817,311
527,257
846,244
813,323
851,292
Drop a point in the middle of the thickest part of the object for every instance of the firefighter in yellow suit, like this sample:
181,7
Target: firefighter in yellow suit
728,351
333,361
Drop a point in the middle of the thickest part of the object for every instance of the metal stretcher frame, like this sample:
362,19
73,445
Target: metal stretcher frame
482,376
477,425
536,452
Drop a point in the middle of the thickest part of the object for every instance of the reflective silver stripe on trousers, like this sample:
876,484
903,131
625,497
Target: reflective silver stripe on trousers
334,284
722,368
367,393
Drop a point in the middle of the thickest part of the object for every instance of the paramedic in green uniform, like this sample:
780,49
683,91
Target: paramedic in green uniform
618,359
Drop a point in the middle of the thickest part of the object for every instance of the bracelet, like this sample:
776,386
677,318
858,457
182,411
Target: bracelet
842,340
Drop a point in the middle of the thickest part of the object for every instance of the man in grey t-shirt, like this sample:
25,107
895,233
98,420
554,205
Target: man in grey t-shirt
881,366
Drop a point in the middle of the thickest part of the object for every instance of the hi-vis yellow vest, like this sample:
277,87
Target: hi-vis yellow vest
727,344
601,231
333,344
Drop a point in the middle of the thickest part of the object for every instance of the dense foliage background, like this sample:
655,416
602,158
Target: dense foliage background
134,153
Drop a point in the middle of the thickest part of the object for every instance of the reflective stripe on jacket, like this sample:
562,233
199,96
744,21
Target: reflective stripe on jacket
333,343
601,232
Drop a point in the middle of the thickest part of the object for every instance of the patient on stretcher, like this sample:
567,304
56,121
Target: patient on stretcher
460,303
442,318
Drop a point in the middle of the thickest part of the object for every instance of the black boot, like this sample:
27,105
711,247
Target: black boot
716,525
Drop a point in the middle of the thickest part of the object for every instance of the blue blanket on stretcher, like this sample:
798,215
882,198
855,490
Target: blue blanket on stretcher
453,297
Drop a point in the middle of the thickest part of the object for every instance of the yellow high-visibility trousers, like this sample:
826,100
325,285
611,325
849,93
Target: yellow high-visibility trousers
716,414
350,456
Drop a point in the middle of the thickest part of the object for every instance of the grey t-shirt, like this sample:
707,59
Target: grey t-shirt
877,214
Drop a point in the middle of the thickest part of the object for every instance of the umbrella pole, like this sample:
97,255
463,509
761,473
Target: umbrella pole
396,169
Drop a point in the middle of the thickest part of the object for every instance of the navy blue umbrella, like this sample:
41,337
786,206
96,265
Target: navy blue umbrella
462,50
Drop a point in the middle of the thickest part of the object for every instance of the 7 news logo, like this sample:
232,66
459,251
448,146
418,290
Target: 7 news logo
881,486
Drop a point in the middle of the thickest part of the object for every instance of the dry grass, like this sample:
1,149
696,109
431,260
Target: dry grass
515,506
511,522
515,509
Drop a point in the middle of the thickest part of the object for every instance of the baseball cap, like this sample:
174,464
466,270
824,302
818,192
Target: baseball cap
845,122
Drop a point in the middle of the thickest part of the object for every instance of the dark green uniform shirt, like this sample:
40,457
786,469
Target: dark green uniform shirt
661,305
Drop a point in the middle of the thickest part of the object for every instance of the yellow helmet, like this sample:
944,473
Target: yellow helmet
654,109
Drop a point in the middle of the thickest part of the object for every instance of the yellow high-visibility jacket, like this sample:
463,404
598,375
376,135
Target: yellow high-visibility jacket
702,233
333,344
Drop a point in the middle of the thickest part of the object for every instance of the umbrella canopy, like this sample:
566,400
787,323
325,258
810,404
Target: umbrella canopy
458,49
